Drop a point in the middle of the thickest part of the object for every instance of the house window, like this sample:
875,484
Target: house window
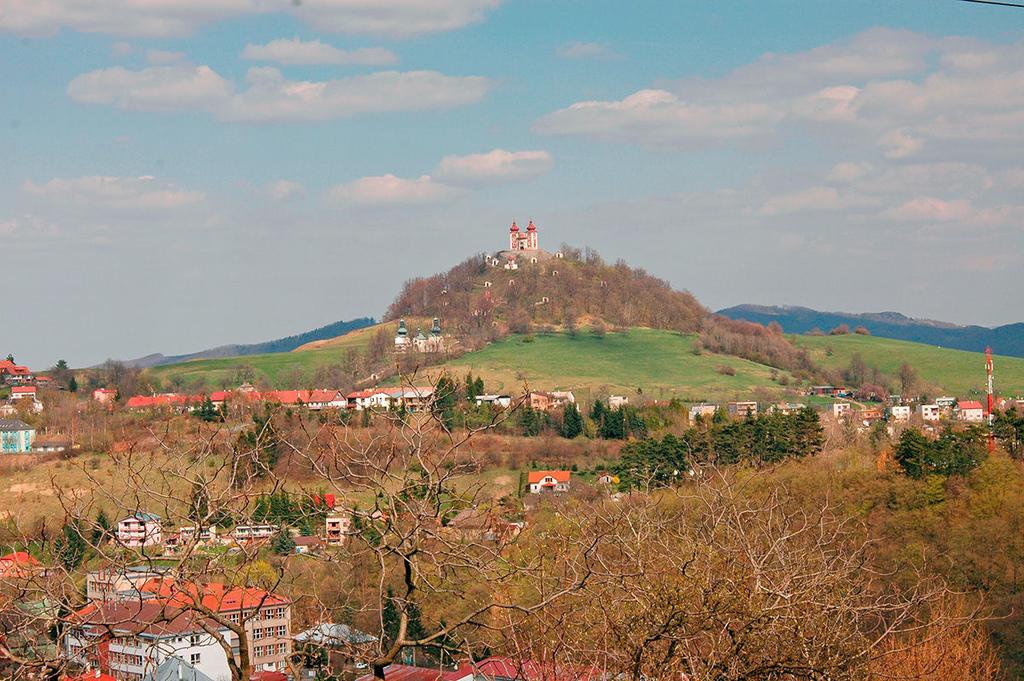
194,659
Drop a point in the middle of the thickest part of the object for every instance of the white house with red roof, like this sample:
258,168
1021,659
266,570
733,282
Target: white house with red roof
14,373
23,392
970,411
17,564
131,639
549,481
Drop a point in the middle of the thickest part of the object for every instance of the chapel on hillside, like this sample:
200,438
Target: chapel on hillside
435,342
523,247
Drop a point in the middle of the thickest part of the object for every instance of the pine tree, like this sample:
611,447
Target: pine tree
390,618
72,384
283,543
572,421
102,528
70,546
912,453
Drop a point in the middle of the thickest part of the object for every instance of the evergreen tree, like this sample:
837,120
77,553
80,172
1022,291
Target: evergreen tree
613,425
597,411
72,384
912,453
69,547
529,422
471,393
572,421
208,412
199,504
390,618
445,401
1008,428
102,528
283,543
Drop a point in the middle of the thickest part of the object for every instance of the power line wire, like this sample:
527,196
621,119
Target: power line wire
996,2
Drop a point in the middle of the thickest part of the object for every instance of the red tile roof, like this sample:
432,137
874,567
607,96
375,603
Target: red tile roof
19,558
559,476
217,597
528,670
23,390
94,675
969,404
404,672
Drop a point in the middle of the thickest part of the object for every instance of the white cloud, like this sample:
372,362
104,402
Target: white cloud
586,50
932,209
166,18
28,226
813,199
113,193
158,88
163,57
494,166
121,49
399,18
898,89
658,117
270,96
390,190
284,190
294,51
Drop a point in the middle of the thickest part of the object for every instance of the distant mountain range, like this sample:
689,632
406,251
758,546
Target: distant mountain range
286,344
1004,340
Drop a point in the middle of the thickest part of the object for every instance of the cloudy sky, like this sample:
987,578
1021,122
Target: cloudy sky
184,173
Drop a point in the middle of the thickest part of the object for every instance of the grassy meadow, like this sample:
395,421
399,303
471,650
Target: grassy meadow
957,372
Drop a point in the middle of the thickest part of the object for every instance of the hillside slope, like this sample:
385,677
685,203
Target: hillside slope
659,363
1006,340
277,369
955,372
286,344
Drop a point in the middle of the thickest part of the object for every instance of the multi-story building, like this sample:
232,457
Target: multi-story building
703,410
116,584
130,639
139,530
929,412
267,622
899,412
841,409
337,528
742,409
254,532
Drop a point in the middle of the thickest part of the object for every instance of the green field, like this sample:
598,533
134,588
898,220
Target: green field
661,363
273,366
956,372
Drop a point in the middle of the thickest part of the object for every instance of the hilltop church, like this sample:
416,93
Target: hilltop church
523,247
435,342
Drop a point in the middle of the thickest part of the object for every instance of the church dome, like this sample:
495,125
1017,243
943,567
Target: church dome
514,227
531,227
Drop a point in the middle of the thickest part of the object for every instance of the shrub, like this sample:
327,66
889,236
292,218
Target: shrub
726,370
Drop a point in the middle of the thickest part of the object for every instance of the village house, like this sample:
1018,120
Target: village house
945,402
17,565
14,374
139,530
23,392
742,409
617,401
131,639
702,410
337,527
821,390
51,443
326,399
266,615
900,412
929,412
841,409
787,408
970,411
340,645
501,401
606,478
15,436
104,396
246,533
549,481
869,416
111,585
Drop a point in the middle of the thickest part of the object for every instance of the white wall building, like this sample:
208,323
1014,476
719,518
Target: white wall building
900,412
139,530
929,412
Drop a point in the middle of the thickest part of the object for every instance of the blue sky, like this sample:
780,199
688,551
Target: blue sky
235,170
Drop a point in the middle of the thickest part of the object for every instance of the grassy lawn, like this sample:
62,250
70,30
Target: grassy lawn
273,365
661,363
957,372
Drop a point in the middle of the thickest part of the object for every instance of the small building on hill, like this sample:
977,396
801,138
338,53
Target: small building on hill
549,481
702,410
742,409
15,436
970,411
139,530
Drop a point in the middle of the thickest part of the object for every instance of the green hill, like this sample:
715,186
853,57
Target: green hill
956,372
272,366
660,363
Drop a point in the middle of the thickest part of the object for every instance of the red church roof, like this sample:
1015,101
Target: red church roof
514,227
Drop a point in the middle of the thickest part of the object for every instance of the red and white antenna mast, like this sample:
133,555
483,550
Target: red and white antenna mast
988,370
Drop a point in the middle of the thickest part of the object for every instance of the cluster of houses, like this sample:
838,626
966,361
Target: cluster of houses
409,398
23,387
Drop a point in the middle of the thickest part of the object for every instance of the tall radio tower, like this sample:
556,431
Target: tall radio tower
991,400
